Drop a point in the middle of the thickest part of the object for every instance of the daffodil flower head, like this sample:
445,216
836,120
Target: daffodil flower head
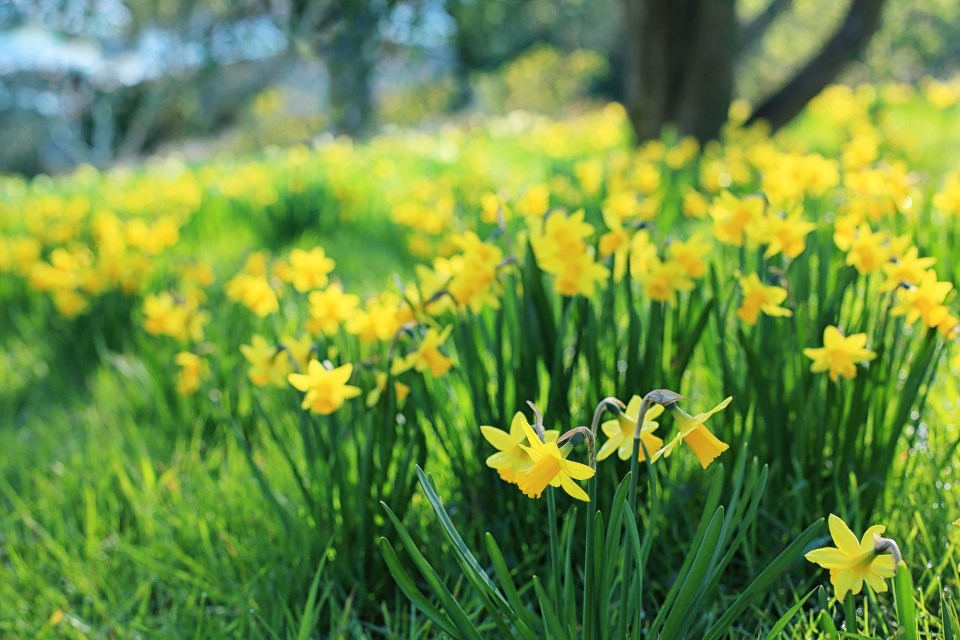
853,562
550,468
620,431
510,458
839,355
427,356
693,430
326,389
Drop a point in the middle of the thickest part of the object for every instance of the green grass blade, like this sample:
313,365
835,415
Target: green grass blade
762,583
906,608
410,589
679,617
785,619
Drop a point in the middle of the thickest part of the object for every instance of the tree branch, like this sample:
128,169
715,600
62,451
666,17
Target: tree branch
861,22
752,32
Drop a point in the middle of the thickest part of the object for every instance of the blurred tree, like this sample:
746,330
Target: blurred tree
680,59
491,33
344,35
163,70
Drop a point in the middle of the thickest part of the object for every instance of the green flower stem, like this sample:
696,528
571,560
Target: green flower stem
590,622
850,613
554,545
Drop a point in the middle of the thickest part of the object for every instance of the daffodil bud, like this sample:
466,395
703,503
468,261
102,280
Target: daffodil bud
666,397
579,434
887,546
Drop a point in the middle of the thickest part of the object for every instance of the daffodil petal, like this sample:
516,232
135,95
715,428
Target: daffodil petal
608,447
846,582
611,428
828,557
532,438
884,566
535,454
576,470
516,425
500,459
499,438
573,488
866,542
875,582
843,537
653,412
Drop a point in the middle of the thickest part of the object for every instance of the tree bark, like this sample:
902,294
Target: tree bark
351,56
678,65
861,22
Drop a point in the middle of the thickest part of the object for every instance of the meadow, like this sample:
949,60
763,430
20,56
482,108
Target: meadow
515,377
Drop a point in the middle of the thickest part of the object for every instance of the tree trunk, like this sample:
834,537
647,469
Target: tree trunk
678,65
861,22
351,55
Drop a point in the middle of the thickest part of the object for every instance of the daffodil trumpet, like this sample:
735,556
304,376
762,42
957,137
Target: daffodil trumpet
551,468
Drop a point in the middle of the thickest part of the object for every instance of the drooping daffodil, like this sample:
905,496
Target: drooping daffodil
620,432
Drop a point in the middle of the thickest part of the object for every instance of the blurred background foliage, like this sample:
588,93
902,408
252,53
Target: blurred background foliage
101,81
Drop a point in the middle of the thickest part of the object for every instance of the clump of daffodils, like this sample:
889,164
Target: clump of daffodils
534,458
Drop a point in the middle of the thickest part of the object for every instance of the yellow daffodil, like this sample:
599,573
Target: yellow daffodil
664,280
330,308
948,200
326,389
268,365
253,292
193,369
839,355
399,388
474,272
851,563
619,431
733,217
589,174
787,234
179,318
510,458
309,269
427,355
868,251
949,327
695,204
580,275
924,300
907,269
693,430
299,350
691,255
759,297
561,237
379,320
550,468
535,201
